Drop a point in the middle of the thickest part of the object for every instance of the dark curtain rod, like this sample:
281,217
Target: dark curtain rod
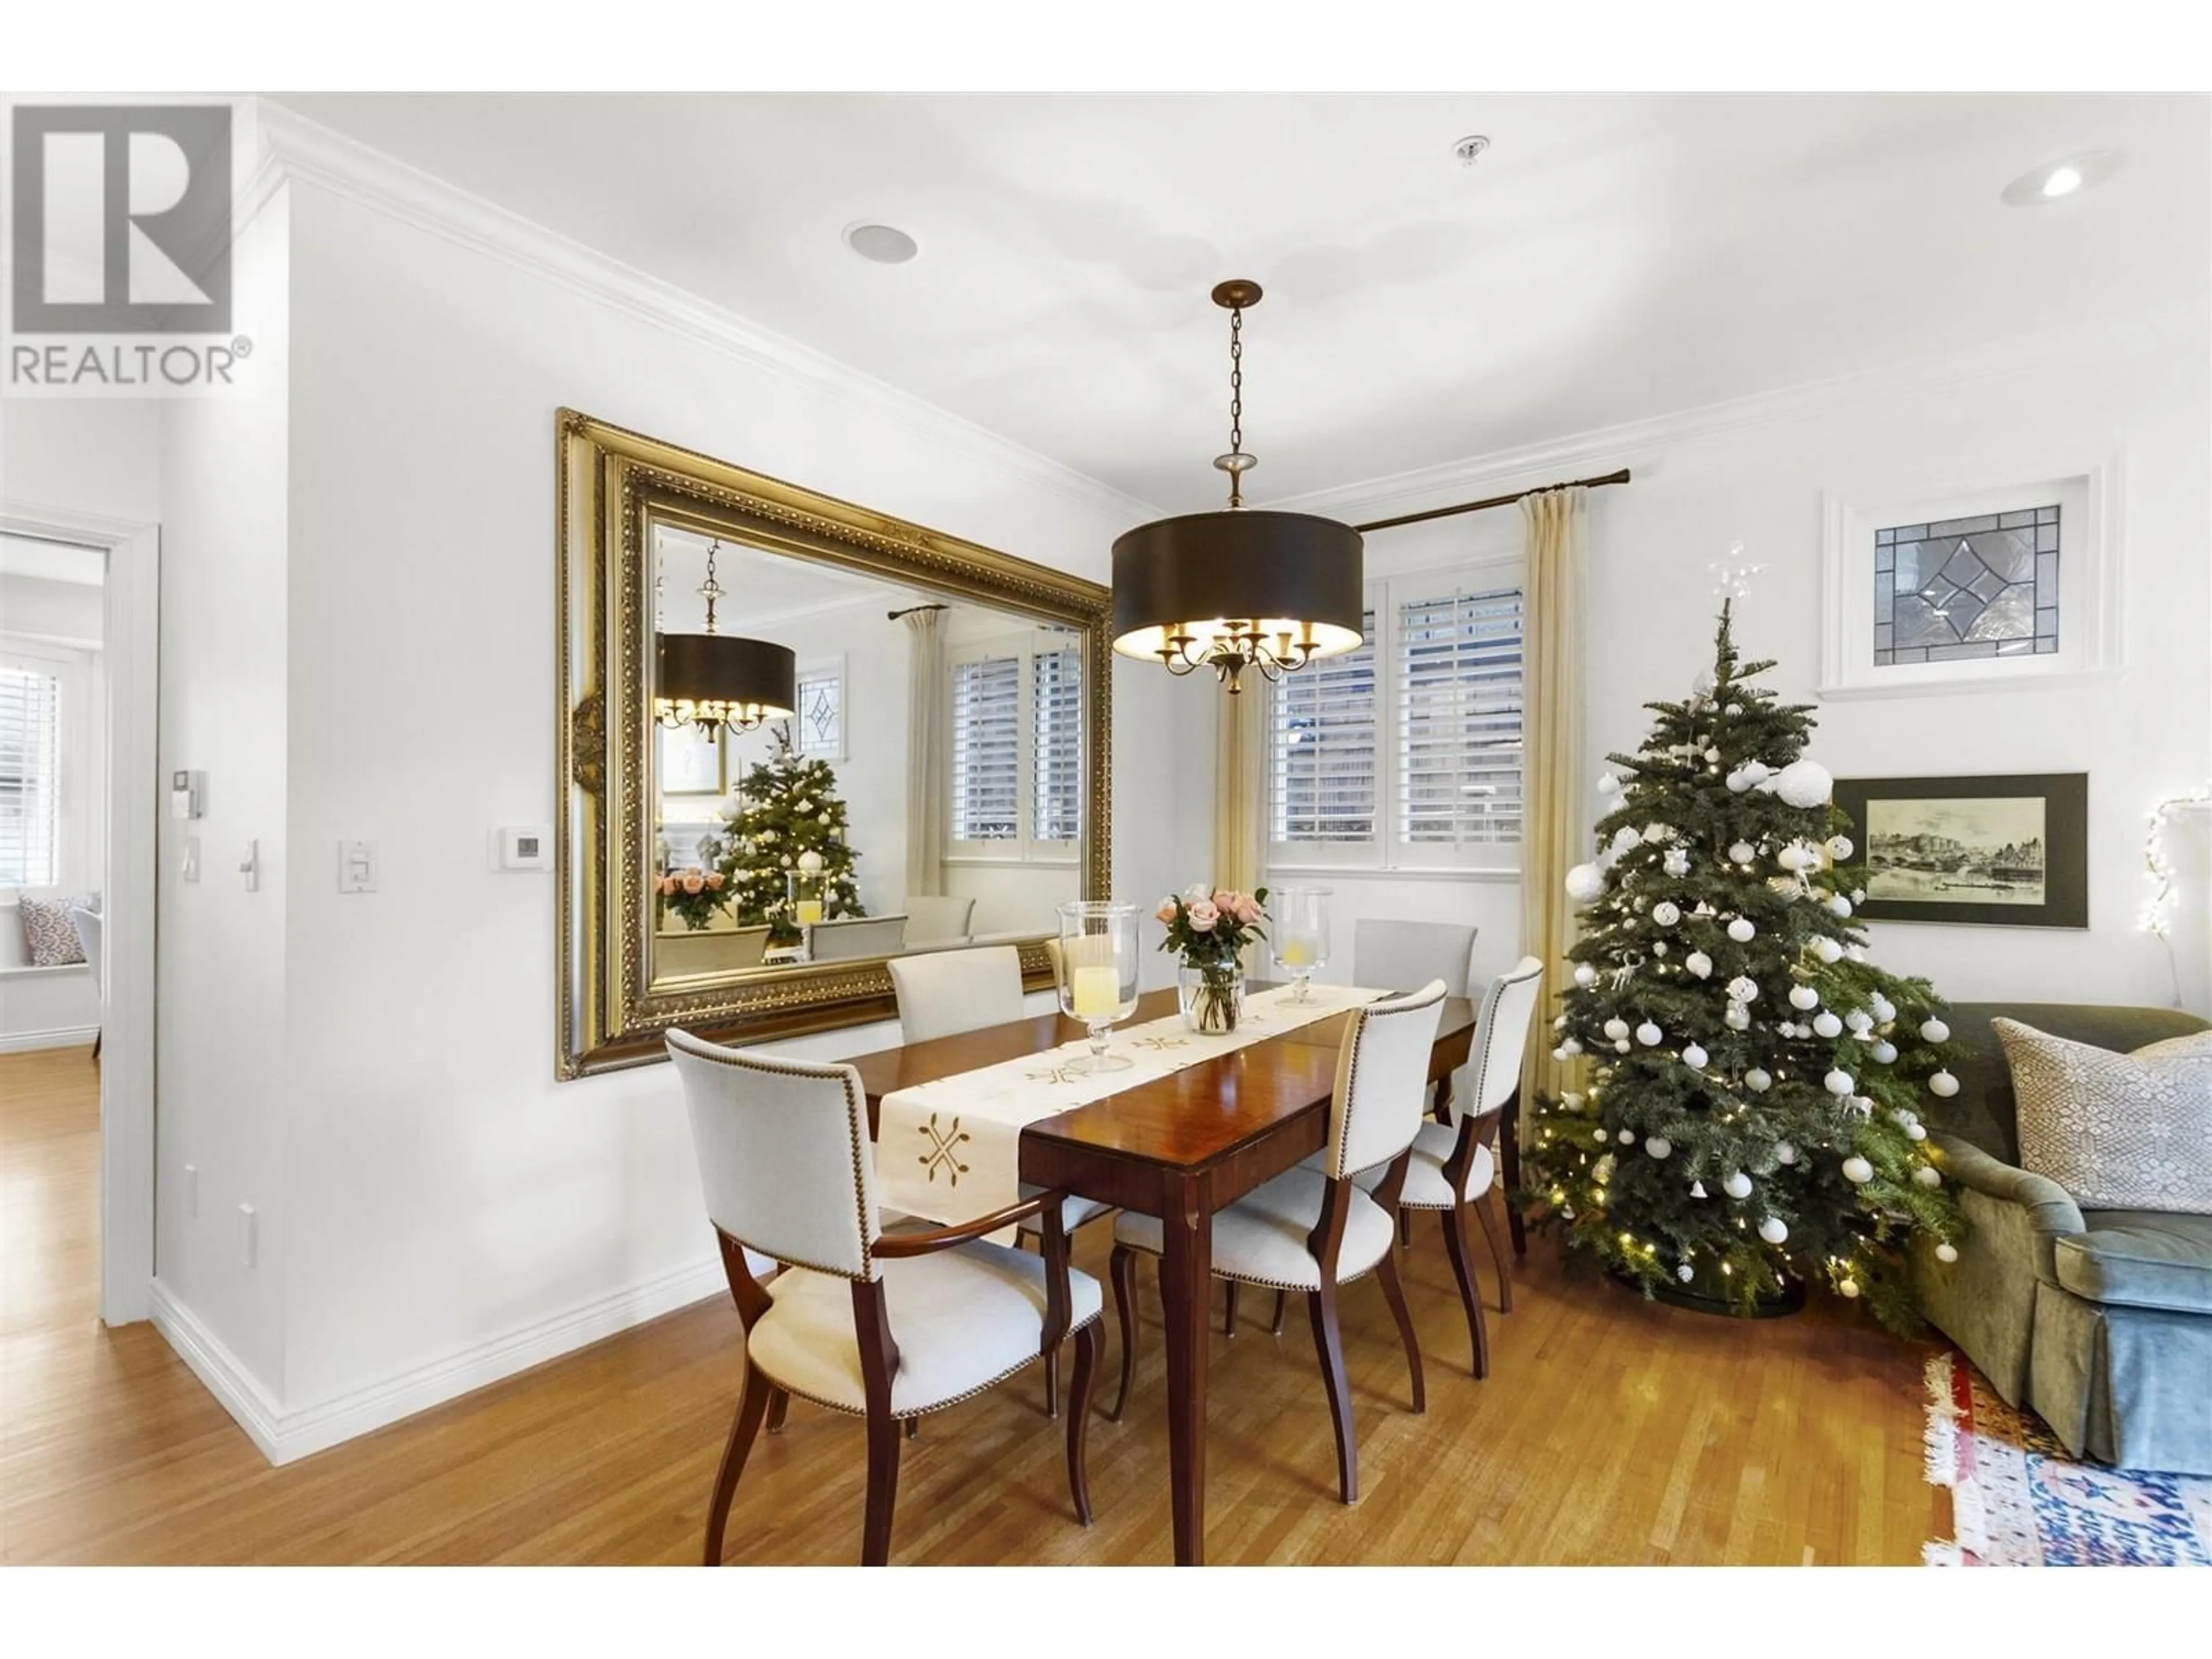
893,616
1620,477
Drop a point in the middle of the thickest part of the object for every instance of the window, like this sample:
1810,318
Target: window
987,733
1961,589
1016,748
1321,785
1407,752
1056,733
820,723
30,777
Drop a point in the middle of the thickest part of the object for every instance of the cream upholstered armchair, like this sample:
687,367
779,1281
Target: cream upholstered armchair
883,1329
936,923
1314,1228
944,993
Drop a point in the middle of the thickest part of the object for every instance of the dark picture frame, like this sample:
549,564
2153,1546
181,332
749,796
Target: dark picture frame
1935,846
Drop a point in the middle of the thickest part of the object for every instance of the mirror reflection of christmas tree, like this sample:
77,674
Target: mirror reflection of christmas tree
789,820
1753,1124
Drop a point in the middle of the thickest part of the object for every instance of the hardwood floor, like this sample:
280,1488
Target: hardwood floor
1609,1430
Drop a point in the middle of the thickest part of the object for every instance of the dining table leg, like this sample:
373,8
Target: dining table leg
1186,1286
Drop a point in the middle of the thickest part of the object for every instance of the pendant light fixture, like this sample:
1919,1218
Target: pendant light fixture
1240,588
713,679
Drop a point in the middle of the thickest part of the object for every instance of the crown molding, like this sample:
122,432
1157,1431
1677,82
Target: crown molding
1636,444
296,149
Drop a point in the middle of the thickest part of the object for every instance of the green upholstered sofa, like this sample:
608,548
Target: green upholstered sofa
2099,1320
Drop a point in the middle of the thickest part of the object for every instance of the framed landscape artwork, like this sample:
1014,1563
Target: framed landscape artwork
2010,851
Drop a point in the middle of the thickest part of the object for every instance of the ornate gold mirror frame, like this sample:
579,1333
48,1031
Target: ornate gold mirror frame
613,484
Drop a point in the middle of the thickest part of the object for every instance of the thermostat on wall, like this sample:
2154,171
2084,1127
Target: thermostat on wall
185,794
526,847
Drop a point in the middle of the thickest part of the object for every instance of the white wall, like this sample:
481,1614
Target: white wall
226,1058
2136,388
459,1192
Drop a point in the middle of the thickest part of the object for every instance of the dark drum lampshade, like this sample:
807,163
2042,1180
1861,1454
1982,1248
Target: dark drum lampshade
1241,588
722,680
1253,585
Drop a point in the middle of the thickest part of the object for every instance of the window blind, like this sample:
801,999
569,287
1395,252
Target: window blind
1056,704
1321,750
1458,696
30,777
986,731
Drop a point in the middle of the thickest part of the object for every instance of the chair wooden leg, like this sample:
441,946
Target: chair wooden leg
1123,1271
1482,1213
882,1490
779,1406
1282,1302
1078,1419
1229,1311
1456,1246
1052,1381
1394,1294
913,1428
752,1406
1405,1230
1329,1345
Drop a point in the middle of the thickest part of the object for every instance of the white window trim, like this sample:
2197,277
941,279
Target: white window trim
1387,856
1024,849
828,668
2089,618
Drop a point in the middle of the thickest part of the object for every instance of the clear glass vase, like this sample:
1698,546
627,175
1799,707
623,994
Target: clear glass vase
1210,995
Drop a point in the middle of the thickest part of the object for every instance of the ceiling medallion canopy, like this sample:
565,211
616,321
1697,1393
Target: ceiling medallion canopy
713,679
1240,588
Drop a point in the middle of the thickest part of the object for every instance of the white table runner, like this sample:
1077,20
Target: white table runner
951,1149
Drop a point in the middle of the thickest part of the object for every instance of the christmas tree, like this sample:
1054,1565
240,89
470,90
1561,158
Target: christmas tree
789,819
1753,1116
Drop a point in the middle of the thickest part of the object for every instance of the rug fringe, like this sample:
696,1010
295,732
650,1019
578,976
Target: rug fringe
1939,1439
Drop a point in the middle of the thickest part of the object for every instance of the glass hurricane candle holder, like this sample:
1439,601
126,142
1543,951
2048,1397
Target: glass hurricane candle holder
1301,941
1098,973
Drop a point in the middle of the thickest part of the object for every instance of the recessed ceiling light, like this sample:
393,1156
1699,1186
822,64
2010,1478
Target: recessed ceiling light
2054,181
1469,149
886,244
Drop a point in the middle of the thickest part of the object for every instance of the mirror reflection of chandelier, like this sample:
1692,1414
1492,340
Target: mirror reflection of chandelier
1238,589
711,679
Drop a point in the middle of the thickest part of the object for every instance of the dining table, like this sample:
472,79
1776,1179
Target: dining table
1180,1147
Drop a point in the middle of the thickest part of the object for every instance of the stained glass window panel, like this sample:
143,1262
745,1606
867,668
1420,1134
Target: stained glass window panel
821,723
1958,589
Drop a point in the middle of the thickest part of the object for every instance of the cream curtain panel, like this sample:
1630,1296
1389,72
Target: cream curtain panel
928,754
1240,786
1553,832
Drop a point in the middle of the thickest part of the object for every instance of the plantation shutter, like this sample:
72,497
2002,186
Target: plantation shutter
1459,701
1321,751
1056,704
987,733
30,777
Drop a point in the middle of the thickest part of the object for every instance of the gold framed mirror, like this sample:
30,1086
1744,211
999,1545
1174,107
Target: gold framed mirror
941,778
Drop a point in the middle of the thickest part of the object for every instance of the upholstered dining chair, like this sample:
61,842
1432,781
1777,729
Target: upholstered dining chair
883,1329
944,993
89,940
1454,1165
1317,1230
938,923
849,939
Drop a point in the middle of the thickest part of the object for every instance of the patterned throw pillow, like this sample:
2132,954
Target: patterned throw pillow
2119,1132
50,937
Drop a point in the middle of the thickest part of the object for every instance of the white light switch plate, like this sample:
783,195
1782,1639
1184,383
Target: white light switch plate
357,867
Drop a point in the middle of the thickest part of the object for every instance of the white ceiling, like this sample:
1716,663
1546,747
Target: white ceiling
1614,257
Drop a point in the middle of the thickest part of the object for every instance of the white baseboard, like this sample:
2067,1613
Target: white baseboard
68,1036
284,1435
240,1391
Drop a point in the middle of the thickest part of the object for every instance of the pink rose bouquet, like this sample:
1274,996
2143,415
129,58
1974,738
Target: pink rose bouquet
695,895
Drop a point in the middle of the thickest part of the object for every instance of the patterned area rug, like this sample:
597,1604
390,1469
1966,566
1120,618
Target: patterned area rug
2018,1500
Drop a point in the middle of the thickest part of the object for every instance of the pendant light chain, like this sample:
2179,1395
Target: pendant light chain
711,590
1236,402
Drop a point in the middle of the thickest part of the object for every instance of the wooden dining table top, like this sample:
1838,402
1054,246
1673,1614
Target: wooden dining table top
1188,1118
